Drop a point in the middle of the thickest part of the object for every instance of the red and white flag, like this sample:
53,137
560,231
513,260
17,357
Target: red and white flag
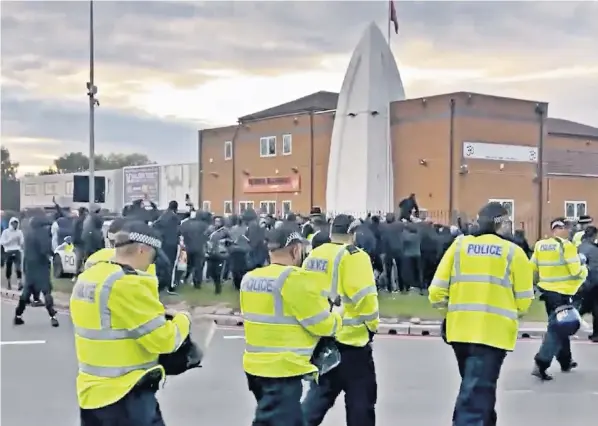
392,15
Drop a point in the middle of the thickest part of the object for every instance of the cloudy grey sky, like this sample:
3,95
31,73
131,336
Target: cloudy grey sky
165,69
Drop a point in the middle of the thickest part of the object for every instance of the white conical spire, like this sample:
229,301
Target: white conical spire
360,175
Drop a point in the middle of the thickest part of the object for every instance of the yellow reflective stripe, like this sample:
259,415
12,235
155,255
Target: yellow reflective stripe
359,320
278,350
505,281
315,319
360,295
121,334
528,294
332,294
483,308
113,372
278,318
436,282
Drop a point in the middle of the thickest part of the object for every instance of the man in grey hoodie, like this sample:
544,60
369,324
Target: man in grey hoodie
12,241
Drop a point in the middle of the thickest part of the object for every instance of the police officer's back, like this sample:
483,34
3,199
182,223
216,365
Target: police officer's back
120,331
485,284
344,272
284,314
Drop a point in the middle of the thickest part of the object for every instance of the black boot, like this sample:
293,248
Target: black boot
539,371
566,368
54,322
18,320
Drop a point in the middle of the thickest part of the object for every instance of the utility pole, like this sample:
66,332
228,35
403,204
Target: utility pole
92,90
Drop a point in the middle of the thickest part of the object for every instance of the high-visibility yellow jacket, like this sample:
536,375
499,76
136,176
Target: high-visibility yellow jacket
284,315
107,254
120,330
557,266
485,283
576,240
346,271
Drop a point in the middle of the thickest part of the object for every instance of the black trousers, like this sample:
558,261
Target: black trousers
479,367
13,257
138,408
195,263
589,305
389,259
164,267
278,401
356,377
214,273
33,289
554,345
411,273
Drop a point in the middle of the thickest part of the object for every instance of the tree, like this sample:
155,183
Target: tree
10,185
79,162
9,169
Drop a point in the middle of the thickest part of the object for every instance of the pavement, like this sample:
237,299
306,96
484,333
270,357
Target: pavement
228,317
417,378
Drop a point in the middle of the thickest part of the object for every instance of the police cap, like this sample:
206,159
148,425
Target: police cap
559,222
282,237
136,231
115,226
344,224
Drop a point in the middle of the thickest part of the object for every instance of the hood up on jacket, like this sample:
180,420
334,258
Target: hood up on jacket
14,220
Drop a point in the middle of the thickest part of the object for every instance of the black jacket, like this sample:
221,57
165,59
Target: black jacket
194,232
37,253
168,227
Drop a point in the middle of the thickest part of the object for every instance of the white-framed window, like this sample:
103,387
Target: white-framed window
287,144
228,207
228,150
286,207
245,205
30,189
50,188
507,204
268,207
206,206
68,187
574,209
268,146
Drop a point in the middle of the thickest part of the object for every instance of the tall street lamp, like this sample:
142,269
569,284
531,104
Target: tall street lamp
92,90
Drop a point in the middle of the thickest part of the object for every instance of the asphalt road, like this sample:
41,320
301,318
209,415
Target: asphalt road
417,378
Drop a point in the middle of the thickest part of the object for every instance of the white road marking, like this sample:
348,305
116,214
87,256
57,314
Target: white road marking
24,342
233,337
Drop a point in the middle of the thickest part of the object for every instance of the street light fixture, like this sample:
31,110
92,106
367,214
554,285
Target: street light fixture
92,91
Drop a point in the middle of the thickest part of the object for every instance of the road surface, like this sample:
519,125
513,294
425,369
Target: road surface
417,379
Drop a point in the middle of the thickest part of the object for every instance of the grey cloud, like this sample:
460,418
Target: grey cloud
115,130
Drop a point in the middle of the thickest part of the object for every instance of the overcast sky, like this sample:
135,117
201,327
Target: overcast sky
165,69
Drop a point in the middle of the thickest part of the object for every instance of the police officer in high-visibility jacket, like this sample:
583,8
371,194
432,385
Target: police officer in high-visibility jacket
120,331
485,284
559,274
108,253
284,314
584,221
345,272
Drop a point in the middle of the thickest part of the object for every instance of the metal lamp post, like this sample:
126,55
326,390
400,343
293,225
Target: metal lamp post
92,90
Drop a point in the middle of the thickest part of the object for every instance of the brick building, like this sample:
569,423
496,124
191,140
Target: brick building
454,151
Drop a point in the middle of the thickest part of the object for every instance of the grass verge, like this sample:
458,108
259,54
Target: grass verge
395,305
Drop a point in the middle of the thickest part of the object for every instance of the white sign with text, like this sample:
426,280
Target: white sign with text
500,152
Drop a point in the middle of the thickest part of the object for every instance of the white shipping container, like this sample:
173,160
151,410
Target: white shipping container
37,191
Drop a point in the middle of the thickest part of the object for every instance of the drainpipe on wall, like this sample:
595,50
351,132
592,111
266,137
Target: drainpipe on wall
311,160
451,180
200,171
234,164
540,169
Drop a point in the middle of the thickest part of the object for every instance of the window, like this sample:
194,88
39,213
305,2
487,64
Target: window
287,144
30,189
574,209
68,188
508,204
268,207
228,150
286,207
228,207
268,146
50,188
206,206
245,205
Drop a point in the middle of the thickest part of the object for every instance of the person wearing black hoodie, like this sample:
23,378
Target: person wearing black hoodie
194,232
37,268
167,226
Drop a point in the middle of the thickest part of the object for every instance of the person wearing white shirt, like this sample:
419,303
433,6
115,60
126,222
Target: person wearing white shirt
12,241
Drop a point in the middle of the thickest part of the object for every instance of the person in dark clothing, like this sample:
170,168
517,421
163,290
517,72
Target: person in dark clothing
217,251
392,247
77,238
407,207
258,254
321,231
93,237
238,251
194,233
411,268
589,290
521,241
37,268
167,226
290,222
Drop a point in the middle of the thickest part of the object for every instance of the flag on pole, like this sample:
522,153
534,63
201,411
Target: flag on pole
392,15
